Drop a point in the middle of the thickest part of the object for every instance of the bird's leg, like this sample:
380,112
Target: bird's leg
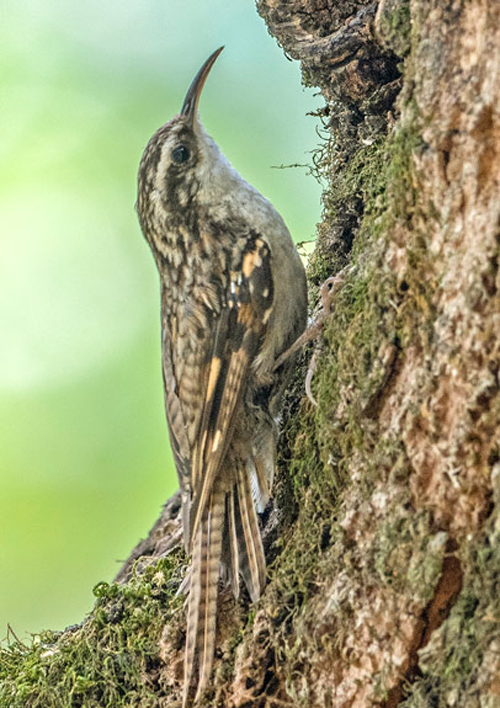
327,292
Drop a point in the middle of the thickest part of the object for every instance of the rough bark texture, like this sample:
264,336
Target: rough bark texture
384,540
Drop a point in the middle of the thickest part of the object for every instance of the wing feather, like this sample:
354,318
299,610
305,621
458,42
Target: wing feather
178,437
239,331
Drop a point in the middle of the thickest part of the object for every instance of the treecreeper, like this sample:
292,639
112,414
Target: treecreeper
233,299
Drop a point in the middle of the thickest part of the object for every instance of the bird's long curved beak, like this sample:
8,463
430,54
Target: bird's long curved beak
190,105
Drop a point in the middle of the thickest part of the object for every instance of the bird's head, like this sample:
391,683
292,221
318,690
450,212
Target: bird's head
177,160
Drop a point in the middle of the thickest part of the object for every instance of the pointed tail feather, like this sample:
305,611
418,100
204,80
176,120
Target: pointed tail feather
252,561
202,605
246,556
197,563
232,532
208,600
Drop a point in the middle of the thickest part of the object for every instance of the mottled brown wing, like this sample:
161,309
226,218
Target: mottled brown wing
178,437
237,339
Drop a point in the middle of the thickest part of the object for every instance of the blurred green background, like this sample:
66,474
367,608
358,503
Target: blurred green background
84,457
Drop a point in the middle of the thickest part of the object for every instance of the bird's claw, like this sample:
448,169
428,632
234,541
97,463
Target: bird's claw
327,290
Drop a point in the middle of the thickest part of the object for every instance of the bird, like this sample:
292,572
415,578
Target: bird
233,298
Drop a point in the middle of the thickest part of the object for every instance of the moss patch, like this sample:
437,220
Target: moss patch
393,26
460,665
111,660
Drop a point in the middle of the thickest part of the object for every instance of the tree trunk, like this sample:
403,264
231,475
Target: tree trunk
383,541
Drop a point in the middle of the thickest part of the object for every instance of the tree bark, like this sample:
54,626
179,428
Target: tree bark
383,537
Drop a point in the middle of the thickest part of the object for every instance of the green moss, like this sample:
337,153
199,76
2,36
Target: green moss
362,185
110,660
394,26
361,339
406,554
459,667
357,182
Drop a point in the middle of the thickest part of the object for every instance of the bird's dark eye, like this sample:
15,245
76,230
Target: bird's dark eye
180,154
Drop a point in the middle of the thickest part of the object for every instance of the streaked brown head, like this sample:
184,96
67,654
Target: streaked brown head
167,182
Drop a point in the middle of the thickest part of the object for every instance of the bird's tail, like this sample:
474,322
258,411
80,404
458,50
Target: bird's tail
202,601
245,542
233,514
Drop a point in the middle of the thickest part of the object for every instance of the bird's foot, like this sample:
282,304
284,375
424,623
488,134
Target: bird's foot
327,292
